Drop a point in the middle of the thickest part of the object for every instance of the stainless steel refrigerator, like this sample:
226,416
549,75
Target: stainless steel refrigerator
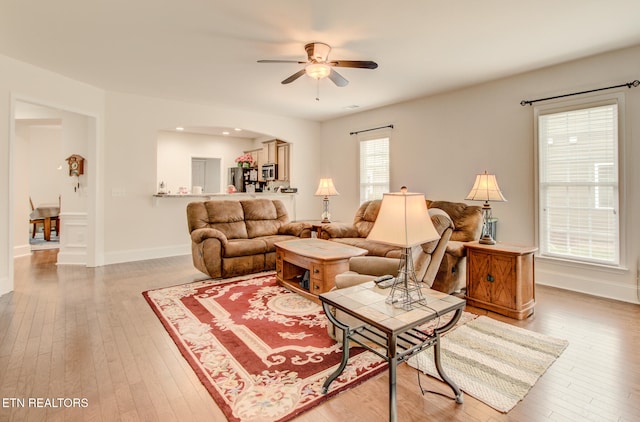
236,178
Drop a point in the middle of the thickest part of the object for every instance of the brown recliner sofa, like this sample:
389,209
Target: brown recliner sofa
231,238
355,234
467,222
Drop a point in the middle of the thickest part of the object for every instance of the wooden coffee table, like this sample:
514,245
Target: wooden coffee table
323,259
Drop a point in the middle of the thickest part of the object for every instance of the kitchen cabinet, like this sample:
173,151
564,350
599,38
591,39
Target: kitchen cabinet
283,162
270,150
255,154
500,278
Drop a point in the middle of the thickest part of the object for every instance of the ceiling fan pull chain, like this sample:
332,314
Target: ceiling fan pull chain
317,89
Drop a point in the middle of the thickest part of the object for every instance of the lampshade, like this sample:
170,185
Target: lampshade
318,70
485,188
326,188
403,221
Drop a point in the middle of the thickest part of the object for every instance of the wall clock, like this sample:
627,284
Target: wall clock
76,165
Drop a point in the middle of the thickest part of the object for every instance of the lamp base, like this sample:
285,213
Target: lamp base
487,228
487,240
406,291
325,210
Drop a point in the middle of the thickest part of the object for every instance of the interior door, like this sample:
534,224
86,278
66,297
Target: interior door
199,173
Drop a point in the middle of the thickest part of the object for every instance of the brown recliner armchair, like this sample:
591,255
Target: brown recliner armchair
426,260
467,227
231,238
467,220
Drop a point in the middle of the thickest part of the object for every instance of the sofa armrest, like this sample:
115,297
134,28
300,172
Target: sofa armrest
200,235
338,230
456,248
299,229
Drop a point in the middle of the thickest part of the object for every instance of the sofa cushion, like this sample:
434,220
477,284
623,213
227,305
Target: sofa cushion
337,230
467,219
244,247
263,217
228,217
270,241
257,245
366,216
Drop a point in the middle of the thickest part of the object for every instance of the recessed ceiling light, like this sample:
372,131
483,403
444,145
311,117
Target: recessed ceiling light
238,129
180,128
225,132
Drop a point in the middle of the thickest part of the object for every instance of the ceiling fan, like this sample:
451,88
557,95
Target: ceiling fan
318,66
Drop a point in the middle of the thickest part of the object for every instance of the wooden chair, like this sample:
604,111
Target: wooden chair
34,221
55,221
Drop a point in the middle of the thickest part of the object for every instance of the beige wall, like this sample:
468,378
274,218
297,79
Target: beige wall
158,228
439,143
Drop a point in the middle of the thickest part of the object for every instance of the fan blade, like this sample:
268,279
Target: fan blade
338,79
366,64
293,77
280,61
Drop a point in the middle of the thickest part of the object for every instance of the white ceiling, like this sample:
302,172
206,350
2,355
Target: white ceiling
206,51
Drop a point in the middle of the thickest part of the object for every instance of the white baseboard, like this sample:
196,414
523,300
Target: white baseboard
601,284
144,254
21,250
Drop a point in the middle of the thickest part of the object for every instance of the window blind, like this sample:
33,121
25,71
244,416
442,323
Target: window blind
374,168
578,184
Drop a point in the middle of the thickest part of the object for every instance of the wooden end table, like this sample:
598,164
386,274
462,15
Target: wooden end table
500,278
323,259
393,329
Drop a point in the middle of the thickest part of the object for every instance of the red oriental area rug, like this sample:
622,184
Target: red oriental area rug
260,350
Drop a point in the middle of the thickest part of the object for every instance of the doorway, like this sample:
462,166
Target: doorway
39,170
205,172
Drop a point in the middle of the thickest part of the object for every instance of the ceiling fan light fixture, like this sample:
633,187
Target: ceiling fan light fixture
318,70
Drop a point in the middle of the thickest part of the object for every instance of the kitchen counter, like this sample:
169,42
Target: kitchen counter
287,198
221,195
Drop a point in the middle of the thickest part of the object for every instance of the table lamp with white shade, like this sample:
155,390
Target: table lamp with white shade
486,189
326,189
403,220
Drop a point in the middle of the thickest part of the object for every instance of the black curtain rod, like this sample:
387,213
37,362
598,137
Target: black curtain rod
367,130
628,85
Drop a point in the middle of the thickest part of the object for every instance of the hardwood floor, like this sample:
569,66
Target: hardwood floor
87,333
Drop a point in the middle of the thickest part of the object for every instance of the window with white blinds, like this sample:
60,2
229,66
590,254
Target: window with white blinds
374,168
578,184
